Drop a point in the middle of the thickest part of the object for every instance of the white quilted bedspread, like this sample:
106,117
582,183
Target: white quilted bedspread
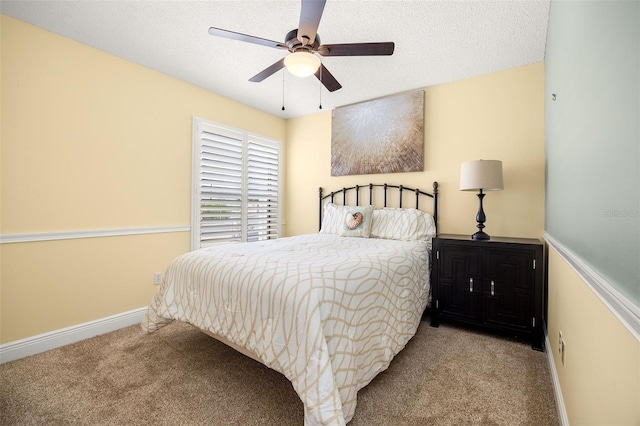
328,312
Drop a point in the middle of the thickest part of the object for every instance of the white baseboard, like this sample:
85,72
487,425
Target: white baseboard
43,342
562,411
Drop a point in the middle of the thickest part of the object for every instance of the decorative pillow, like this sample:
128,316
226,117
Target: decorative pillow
402,224
348,221
331,220
357,222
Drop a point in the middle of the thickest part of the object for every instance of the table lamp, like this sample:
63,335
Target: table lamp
481,175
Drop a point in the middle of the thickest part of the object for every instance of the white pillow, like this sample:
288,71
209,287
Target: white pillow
347,221
402,224
330,220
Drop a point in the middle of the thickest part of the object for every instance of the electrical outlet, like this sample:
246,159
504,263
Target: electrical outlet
157,278
561,346
560,341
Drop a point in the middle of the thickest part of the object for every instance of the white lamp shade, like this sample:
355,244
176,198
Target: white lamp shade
302,64
481,174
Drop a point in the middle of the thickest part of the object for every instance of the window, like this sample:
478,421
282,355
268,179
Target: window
236,186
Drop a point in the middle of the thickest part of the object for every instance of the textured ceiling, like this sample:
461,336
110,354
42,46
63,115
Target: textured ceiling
435,42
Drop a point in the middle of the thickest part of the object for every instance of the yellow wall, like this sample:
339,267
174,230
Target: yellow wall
496,116
93,142
600,378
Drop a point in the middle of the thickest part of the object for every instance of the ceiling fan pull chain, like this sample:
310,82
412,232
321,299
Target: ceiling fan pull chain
283,90
320,86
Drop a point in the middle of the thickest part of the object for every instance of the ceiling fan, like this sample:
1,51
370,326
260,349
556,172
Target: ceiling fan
303,43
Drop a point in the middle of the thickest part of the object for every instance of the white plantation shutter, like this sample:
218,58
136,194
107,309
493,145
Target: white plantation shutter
220,198
263,179
236,186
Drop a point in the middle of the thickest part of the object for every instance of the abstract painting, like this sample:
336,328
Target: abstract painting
379,136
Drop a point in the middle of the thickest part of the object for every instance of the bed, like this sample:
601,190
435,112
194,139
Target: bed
328,310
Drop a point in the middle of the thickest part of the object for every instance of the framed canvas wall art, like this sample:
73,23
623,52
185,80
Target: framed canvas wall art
380,136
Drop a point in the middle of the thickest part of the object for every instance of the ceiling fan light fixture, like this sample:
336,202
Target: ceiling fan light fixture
302,64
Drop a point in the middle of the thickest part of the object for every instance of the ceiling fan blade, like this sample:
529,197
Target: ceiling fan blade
268,71
327,79
310,15
357,49
219,32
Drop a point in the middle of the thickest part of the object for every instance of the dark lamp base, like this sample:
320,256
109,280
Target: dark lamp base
480,218
480,236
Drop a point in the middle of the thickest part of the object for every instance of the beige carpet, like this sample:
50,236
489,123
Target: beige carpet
180,376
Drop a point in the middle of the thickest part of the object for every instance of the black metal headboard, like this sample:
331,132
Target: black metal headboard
399,189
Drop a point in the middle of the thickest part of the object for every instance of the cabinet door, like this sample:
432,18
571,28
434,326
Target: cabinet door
509,288
459,283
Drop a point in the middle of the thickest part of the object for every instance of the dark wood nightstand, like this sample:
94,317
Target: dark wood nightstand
497,284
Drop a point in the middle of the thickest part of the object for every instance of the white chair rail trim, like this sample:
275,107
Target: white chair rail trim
43,342
625,310
98,233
